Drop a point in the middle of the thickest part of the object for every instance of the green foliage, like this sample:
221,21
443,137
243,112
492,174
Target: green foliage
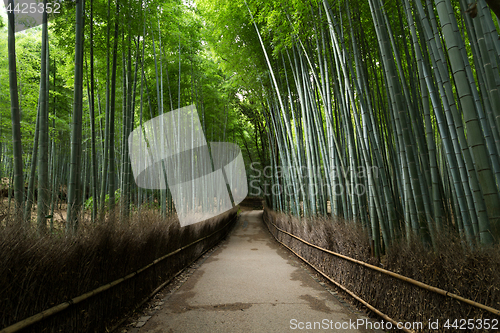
28,48
189,72
234,43
90,201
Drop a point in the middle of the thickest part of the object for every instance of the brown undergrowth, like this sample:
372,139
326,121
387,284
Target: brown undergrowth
471,274
37,273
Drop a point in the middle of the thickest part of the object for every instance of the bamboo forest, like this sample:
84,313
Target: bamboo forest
370,128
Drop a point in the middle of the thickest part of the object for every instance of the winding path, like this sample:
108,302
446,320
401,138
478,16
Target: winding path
251,284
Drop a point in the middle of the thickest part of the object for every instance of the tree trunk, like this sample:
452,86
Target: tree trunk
15,118
43,149
76,132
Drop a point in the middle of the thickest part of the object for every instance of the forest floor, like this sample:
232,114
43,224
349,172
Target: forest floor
59,213
251,203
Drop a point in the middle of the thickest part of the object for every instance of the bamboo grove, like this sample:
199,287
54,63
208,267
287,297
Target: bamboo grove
385,113
79,84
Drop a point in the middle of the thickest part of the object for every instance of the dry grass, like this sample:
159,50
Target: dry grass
470,274
37,273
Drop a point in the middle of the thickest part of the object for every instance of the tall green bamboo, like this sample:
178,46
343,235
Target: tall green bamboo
94,162
15,116
76,131
487,227
111,131
43,148
107,124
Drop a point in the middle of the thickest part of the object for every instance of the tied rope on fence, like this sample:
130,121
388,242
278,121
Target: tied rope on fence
378,269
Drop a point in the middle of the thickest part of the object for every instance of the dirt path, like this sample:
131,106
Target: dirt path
250,284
